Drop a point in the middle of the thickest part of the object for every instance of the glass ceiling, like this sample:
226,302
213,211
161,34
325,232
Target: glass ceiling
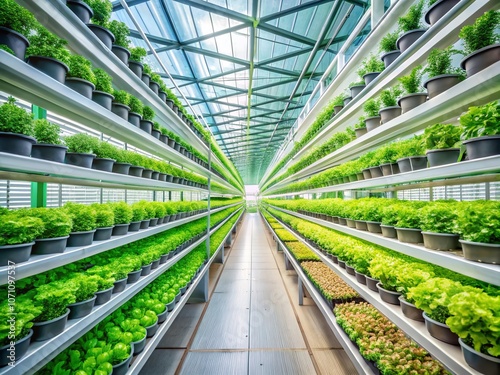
247,67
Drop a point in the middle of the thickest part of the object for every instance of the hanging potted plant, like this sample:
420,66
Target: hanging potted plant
136,60
443,144
16,129
408,226
154,83
411,26
84,224
146,123
389,49
438,8
123,216
120,104
85,288
48,53
481,42
103,93
81,9
80,76
372,108
412,87
17,236
440,71
105,220
106,155
135,114
49,144
439,226
121,32
389,103
478,224
16,24
80,150
482,130
56,229
370,68
356,88
102,12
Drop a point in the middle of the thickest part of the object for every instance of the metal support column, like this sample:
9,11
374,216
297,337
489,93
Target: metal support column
219,258
288,265
200,293
301,292
38,189
229,239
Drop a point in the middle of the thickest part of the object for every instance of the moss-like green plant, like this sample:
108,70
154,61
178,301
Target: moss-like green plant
411,83
123,212
81,143
148,113
44,43
106,150
105,216
18,229
482,33
147,70
83,216
412,20
137,54
389,97
121,97
155,77
57,222
103,81
371,107
47,132
14,119
80,67
102,11
121,32
388,42
17,18
135,105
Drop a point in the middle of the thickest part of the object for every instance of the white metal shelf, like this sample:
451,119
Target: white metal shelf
41,263
449,355
42,352
443,34
351,350
472,171
489,273
139,361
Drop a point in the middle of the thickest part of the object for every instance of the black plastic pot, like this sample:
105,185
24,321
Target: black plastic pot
388,231
139,345
163,138
122,168
407,39
355,90
17,144
134,118
119,285
103,296
50,152
483,363
120,110
376,172
386,169
121,52
441,241
103,34
103,234
133,276
146,270
20,349
155,133
81,10
389,57
482,147
442,157
163,316
135,171
361,225
102,98
52,67
162,95
152,329
481,252
134,226
15,253
366,173
371,283
45,246
369,77
441,83
164,258
438,10
120,229
373,227
343,221
408,102
47,330
153,222
146,78
145,224
103,164
351,223
178,297
440,331
388,295
136,67
147,173
409,235
78,239
78,310
350,270
360,278
410,310
155,87
347,100
146,125
15,41
372,122
481,59
404,165
418,162
81,86
122,368
79,159
337,108
389,113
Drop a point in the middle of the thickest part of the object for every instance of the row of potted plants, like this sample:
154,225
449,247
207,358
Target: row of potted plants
423,290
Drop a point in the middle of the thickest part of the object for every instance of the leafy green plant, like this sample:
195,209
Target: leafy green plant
408,216
371,64
137,54
482,33
155,77
121,97
14,119
106,150
102,11
81,143
439,136
411,83
123,212
148,113
357,83
56,222
361,123
16,17
147,70
80,67
389,97
388,42
439,218
105,216
135,105
17,229
138,212
410,147
481,121
386,269
371,107
479,222
47,133
103,81
5,48
439,62
44,43
53,299
26,312
83,216
412,20
338,100
121,32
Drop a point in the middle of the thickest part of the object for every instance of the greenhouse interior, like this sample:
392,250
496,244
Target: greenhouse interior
250,187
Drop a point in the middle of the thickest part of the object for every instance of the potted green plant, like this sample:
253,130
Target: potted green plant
154,83
443,144
388,48
80,150
156,132
360,127
387,156
163,91
478,225
136,60
409,222
121,164
481,42
123,216
16,23
370,68
103,93
80,76
17,236
106,155
338,103
437,9
440,71
138,214
120,104
356,88
386,269
389,219
137,163
121,32
372,108
105,284
411,26
136,108
84,224
48,53
49,144
81,9
105,220
56,229
481,127
412,87
102,12
85,288
412,274
410,154
389,104
439,226
16,129
146,74
147,119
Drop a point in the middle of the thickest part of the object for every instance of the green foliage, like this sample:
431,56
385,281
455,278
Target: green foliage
121,32
409,147
106,150
135,105
357,83
26,312
147,70
148,113
481,121
44,43
82,143
56,222
137,54
121,97
85,286
83,216
155,77
439,218
53,298
16,17
338,100
80,67
14,119
389,97
386,269
18,229
482,33
408,216
361,123
5,48
138,212
371,107
103,81
123,212
105,216
102,11
412,20
388,42
371,64
479,221
285,236
412,82
439,62
47,132
439,136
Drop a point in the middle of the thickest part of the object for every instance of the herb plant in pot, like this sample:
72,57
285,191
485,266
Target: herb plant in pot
121,164
443,144
146,123
138,214
136,60
481,42
356,88
410,154
440,71
388,48
80,148
338,103
411,26
482,130
56,229
103,93
438,8
102,12
84,224
16,23
413,90
360,127
106,155
389,100
146,74
123,217
105,220
409,223
154,83
16,129
412,274
120,104
80,76
385,269
81,9
121,32
371,108
17,236
370,68
49,144
85,287
135,114
105,285
156,131
439,226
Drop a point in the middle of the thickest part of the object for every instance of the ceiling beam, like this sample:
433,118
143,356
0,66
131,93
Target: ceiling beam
261,114
130,3
295,9
215,76
252,134
285,56
286,34
216,9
